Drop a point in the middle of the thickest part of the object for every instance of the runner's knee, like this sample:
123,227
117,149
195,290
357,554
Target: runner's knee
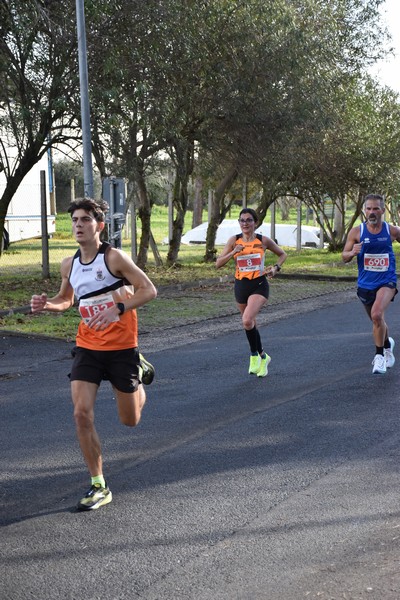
248,320
83,418
377,315
130,420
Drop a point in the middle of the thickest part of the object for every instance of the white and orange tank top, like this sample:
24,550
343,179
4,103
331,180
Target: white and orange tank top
250,260
96,289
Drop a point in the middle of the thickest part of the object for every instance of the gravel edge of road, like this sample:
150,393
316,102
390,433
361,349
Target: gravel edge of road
155,339
162,339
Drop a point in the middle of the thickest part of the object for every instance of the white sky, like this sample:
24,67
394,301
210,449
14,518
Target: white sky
388,71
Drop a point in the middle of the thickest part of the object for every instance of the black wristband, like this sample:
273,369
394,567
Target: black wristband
121,308
277,267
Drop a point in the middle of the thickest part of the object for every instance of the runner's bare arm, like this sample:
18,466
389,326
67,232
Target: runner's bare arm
63,300
352,246
395,233
230,249
272,246
123,266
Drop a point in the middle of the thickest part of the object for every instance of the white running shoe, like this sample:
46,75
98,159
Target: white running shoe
379,364
388,354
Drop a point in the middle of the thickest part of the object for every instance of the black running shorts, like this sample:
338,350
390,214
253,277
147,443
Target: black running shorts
120,367
368,297
247,287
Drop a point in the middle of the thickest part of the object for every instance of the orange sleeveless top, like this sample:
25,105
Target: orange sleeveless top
250,260
97,289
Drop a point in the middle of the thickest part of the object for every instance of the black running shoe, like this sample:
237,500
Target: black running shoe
147,369
95,497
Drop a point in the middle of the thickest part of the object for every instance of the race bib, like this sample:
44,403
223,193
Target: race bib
249,262
376,262
90,307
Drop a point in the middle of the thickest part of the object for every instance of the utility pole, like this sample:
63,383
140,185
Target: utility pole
85,110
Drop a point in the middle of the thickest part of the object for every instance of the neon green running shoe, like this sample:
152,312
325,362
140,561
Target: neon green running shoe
263,370
147,370
95,497
254,365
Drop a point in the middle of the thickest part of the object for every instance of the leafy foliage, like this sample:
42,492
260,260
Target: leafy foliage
38,78
267,92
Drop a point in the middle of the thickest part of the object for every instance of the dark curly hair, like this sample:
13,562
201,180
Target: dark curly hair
97,207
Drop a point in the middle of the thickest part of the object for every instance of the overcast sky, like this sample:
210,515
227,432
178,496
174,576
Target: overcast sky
389,71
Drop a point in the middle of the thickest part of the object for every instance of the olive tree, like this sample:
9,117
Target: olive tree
38,77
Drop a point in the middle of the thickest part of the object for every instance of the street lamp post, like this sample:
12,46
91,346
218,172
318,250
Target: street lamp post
84,92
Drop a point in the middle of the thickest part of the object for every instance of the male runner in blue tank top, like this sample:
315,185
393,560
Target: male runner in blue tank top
371,242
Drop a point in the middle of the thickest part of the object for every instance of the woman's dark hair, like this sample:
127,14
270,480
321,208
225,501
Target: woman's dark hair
97,207
251,212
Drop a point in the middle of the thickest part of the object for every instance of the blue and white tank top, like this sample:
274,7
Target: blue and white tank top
376,261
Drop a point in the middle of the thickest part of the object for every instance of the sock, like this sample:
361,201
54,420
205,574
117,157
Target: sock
99,479
386,345
379,350
259,344
252,339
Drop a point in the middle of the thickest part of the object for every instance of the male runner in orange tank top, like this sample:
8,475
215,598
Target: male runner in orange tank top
109,288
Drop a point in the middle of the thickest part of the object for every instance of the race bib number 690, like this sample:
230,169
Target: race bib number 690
376,262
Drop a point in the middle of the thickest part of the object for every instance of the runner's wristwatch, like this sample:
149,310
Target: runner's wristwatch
278,267
121,308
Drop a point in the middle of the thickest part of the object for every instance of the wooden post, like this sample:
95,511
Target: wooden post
298,231
210,205
133,231
273,221
170,211
72,190
321,226
244,193
45,235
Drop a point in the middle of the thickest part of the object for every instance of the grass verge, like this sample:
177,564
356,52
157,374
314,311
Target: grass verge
21,276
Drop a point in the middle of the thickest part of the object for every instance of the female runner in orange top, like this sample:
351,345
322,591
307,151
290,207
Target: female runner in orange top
251,285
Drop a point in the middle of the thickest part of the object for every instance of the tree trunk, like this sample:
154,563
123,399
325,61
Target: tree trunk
180,201
268,197
184,152
198,203
218,212
339,218
12,184
156,254
284,206
144,213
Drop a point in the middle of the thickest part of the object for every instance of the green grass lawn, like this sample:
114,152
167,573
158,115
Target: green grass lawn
21,272
25,258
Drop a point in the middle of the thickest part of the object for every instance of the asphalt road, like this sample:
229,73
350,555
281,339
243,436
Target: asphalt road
232,487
